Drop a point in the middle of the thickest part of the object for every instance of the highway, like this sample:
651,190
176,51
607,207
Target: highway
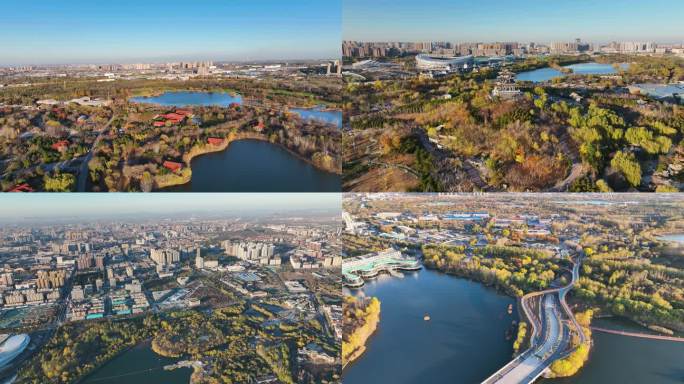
532,363
550,335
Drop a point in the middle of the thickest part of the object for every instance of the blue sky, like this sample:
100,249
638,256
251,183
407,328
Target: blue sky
16,207
513,20
99,31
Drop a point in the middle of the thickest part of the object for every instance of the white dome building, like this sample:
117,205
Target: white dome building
444,63
12,347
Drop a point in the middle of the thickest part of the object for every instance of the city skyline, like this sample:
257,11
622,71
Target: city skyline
496,20
110,33
16,208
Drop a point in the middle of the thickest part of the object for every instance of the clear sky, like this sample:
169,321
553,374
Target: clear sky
117,31
513,20
18,207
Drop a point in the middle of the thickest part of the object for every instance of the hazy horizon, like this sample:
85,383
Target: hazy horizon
43,32
520,21
21,208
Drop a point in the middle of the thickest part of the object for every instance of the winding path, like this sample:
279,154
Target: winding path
83,173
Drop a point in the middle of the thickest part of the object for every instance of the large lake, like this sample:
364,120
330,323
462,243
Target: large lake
256,166
139,365
250,165
464,342
545,74
187,98
190,98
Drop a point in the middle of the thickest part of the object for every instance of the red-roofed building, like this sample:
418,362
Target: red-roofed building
183,112
22,188
60,145
260,127
159,123
173,116
215,141
173,166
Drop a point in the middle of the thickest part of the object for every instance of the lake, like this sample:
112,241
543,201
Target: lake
464,342
188,98
223,99
139,365
673,238
256,166
545,74
622,359
250,165
319,113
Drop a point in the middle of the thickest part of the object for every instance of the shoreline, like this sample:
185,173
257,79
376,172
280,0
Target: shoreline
362,349
365,332
118,354
160,92
208,149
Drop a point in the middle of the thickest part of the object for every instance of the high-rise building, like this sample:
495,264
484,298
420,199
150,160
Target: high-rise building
199,261
164,257
100,262
51,279
6,279
85,261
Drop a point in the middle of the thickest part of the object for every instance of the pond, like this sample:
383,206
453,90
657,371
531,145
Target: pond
464,341
545,74
189,98
139,365
321,114
256,166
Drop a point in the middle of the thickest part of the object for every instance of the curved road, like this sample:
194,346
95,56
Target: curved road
550,337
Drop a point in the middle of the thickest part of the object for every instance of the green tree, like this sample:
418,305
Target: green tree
627,164
60,182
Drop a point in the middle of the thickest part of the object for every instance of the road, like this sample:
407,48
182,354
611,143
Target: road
65,165
535,360
83,173
550,336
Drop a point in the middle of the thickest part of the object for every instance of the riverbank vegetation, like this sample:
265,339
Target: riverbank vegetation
520,338
572,363
578,133
232,343
122,159
126,146
308,92
514,270
360,319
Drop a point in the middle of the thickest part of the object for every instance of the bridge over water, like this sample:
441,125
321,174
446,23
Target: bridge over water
551,335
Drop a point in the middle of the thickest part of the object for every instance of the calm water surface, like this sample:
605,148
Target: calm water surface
139,365
250,165
188,98
318,113
629,360
464,342
545,74
256,166
674,238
